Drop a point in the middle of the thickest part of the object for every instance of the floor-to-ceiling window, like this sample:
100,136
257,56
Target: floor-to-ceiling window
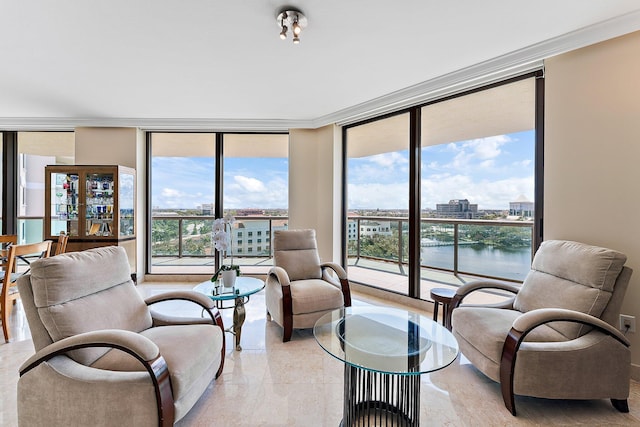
473,165
256,193
477,182
198,177
377,176
35,151
182,198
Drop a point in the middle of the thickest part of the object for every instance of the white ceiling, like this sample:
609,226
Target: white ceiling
215,64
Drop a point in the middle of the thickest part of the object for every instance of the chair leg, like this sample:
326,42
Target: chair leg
507,368
288,329
5,319
621,405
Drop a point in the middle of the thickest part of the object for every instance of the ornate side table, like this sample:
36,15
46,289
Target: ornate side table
239,293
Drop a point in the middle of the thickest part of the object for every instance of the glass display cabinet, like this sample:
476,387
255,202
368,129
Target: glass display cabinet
94,205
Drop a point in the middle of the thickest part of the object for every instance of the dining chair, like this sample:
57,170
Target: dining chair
61,246
6,240
9,290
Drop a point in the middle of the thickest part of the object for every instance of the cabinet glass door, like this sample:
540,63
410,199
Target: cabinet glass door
99,207
64,203
126,200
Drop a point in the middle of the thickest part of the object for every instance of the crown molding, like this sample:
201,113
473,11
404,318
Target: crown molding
152,124
512,64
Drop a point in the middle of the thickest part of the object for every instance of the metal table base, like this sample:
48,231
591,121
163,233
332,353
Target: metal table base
380,399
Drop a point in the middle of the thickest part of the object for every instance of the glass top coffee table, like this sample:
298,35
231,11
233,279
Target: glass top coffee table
243,288
384,350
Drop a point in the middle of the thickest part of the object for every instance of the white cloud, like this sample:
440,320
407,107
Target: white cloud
378,195
476,152
170,192
387,160
248,184
487,194
487,148
246,192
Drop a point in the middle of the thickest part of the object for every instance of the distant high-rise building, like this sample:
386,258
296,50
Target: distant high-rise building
458,209
207,209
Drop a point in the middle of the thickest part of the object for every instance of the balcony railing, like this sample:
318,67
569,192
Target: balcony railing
191,237
487,248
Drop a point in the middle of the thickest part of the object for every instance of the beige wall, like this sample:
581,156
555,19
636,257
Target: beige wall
315,186
106,146
592,154
118,146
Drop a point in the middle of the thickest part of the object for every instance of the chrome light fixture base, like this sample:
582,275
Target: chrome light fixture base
291,20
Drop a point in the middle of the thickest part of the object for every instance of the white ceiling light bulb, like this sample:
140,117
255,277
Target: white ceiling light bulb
296,27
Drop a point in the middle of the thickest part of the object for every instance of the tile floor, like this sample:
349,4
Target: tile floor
270,383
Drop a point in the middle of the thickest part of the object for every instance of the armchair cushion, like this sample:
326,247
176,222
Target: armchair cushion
186,349
313,295
74,297
586,289
493,325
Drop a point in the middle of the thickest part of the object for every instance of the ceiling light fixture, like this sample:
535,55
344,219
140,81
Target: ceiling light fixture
291,18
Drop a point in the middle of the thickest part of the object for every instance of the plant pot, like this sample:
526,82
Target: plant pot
229,278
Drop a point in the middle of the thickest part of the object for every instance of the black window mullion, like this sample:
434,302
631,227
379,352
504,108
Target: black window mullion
539,164
10,183
414,201
149,212
218,210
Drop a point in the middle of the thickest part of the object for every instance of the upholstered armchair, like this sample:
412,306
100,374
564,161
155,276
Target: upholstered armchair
557,337
102,356
300,289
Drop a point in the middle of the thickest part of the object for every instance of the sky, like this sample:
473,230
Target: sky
490,172
188,182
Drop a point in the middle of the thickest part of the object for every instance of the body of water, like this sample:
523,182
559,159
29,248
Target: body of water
479,259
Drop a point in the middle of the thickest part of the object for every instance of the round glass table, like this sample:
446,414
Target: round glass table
384,350
243,288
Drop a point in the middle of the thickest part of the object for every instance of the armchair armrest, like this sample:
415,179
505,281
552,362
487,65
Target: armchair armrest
528,322
534,318
203,301
342,276
192,296
280,275
138,346
465,290
335,267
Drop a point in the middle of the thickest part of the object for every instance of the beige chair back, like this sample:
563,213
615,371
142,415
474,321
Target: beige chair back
79,292
573,276
297,252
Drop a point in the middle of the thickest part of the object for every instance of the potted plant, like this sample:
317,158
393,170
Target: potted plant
222,243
